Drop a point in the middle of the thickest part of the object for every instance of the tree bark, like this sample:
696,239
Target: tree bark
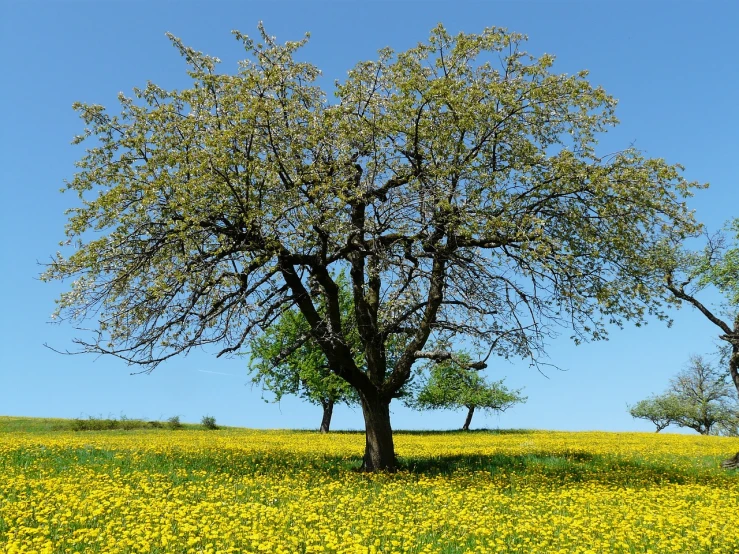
328,410
466,426
379,452
734,360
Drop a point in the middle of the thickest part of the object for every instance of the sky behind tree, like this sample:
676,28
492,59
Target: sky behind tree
672,66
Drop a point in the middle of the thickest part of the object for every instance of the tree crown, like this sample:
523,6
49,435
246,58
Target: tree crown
457,183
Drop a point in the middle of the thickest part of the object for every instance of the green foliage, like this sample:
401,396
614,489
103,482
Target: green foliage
95,424
699,398
457,183
662,410
209,422
206,200
718,264
286,359
174,423
452,385
109,424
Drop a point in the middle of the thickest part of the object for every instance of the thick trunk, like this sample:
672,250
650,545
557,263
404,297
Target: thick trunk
328,410
734,365
466,426
731,463
379,451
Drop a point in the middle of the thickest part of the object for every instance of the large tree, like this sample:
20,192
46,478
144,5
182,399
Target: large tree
457,182
717,267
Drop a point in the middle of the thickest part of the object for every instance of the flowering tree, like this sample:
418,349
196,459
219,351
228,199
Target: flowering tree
456,183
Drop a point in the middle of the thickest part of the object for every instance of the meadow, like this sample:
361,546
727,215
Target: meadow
238,490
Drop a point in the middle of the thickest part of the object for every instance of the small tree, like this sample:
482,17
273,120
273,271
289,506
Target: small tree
452,385
286,360
699,398
659,409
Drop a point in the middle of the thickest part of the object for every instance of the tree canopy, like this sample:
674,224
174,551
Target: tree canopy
457,183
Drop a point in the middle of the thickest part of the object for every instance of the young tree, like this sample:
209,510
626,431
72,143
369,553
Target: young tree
660,410
699,398
285,359
452,385
457,183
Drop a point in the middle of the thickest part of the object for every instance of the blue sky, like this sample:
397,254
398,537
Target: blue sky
672,66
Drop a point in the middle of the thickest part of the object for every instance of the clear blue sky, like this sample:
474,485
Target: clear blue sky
673,66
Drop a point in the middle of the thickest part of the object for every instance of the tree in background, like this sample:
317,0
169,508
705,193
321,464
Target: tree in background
286,360
698,398
457,183
659,409
452,385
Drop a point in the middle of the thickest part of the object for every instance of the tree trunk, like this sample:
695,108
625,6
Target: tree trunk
466,426
734,363
731,463
379,451
328,410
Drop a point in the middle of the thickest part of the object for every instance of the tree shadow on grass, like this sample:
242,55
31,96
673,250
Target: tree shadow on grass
428,432
565,468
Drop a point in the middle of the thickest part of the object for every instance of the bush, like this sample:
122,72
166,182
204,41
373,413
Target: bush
209,422
174,422
107,424
94,424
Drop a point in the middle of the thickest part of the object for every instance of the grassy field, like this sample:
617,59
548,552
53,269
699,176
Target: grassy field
238,490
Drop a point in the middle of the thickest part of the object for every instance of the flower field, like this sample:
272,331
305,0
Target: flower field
195,491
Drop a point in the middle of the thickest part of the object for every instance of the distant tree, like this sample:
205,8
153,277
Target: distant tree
453,385
659,409
698,398
286,359
458,183
209,422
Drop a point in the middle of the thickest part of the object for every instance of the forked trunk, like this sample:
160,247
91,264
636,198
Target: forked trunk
328,410
379,450
470,412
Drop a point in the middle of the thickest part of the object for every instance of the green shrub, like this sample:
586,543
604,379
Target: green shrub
174,422
209,422
94,424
